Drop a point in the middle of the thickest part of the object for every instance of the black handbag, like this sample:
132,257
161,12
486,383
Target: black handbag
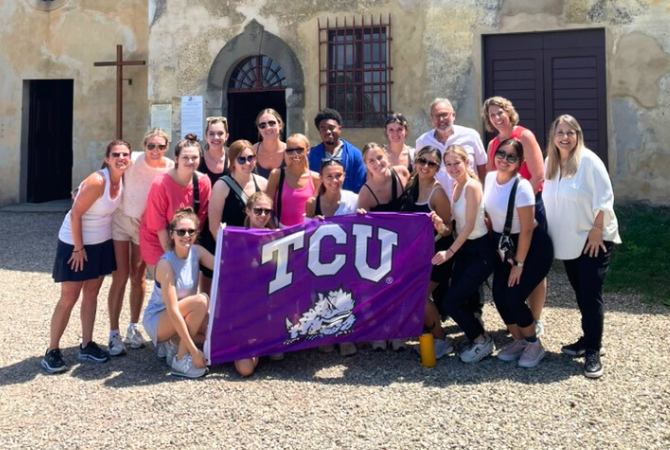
505,244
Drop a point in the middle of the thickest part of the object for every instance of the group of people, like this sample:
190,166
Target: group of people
506,210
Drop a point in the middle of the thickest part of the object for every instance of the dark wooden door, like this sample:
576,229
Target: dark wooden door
549,74
243,107
50,140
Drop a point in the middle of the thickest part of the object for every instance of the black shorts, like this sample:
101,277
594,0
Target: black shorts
100,261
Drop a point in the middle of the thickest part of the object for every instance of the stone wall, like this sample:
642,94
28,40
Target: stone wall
63,43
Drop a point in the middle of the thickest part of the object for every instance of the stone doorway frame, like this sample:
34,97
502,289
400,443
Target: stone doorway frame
254,40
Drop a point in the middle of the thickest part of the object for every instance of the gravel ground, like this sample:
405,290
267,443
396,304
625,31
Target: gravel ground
315,401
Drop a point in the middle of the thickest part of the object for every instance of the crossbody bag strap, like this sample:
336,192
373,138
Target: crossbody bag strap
280,188
510,208
232,184
196,193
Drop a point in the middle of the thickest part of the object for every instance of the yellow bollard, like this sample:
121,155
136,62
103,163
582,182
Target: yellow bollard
427,350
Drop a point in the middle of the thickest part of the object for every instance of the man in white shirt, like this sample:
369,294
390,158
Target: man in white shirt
446,133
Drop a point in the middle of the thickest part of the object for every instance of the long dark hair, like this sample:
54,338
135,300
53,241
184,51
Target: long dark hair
110,146
411,194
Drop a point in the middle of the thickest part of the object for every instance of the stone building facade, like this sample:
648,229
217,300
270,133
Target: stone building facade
445,48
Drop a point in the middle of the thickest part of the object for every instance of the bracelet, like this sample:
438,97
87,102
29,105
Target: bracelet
77,251
516,263
597,227
450,250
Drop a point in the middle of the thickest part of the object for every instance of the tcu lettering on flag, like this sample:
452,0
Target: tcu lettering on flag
343,279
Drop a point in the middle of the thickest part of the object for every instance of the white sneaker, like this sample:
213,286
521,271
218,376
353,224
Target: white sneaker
133,337
478,350
379,345
442,347
184,368
347,349
532,355
167,350
116,347
513,351
398,344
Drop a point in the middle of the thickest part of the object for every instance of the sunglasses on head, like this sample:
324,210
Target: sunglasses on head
160,147
426,162
269,123
119,154
249,159
509,157
330,161
185,232
217,119
262,211
295,151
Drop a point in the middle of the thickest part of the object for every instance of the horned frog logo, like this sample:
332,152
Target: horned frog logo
331,314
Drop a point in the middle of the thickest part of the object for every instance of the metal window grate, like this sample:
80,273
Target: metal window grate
355,70
257,73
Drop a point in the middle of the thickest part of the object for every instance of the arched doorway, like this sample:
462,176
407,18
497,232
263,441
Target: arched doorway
256,83
246,48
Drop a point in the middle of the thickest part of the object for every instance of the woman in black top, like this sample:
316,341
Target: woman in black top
424,194
230,193
385,183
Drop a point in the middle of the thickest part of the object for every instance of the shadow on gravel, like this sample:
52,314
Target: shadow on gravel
29,241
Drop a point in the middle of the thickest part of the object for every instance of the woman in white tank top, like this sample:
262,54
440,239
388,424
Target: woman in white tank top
85,254
472,253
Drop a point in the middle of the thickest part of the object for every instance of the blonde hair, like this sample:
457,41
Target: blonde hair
463,155
301,137
554,156
156,132
251,201
500,102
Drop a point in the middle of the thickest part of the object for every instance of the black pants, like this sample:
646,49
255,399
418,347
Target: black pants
511,301
586,277
472,266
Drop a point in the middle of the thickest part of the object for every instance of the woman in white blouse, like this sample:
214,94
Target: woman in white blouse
516,276
583,227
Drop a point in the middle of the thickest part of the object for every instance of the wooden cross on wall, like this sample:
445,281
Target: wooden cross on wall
119,63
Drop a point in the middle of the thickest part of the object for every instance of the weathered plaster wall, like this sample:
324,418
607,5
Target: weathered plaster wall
63,44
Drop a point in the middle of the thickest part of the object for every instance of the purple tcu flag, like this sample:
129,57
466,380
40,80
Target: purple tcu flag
343,279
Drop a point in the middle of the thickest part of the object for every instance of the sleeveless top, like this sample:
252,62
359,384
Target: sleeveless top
202,168
185,279
96,223
262,171
293,202
516,134
348,204
458,208
423,207
395,203
234,207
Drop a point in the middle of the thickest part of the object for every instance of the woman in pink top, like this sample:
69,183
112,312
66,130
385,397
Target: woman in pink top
170,192
292,186
145,167
500,117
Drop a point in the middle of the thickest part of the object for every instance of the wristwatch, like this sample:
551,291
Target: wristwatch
516,263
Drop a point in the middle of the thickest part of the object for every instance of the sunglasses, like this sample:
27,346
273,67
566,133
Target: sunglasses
330,161
269,123
118,155
186,232
249,159
160,147
509,157
262,212
426,162
217,119
295,151
395,118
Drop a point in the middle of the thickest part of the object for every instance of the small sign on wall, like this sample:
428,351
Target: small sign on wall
161,117
192,116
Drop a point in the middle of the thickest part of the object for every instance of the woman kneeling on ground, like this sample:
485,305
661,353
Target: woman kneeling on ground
175,310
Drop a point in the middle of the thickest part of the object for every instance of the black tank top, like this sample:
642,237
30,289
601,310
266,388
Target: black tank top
395,203
234,206
213,177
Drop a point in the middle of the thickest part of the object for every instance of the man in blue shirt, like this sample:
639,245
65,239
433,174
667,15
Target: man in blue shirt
329,123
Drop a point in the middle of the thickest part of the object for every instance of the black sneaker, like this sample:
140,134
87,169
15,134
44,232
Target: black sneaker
53,361
93,353
592,366
578,348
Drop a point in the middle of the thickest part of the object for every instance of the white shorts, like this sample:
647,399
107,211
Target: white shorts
125,228
150,320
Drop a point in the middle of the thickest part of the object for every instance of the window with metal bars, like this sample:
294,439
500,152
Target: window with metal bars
355,70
